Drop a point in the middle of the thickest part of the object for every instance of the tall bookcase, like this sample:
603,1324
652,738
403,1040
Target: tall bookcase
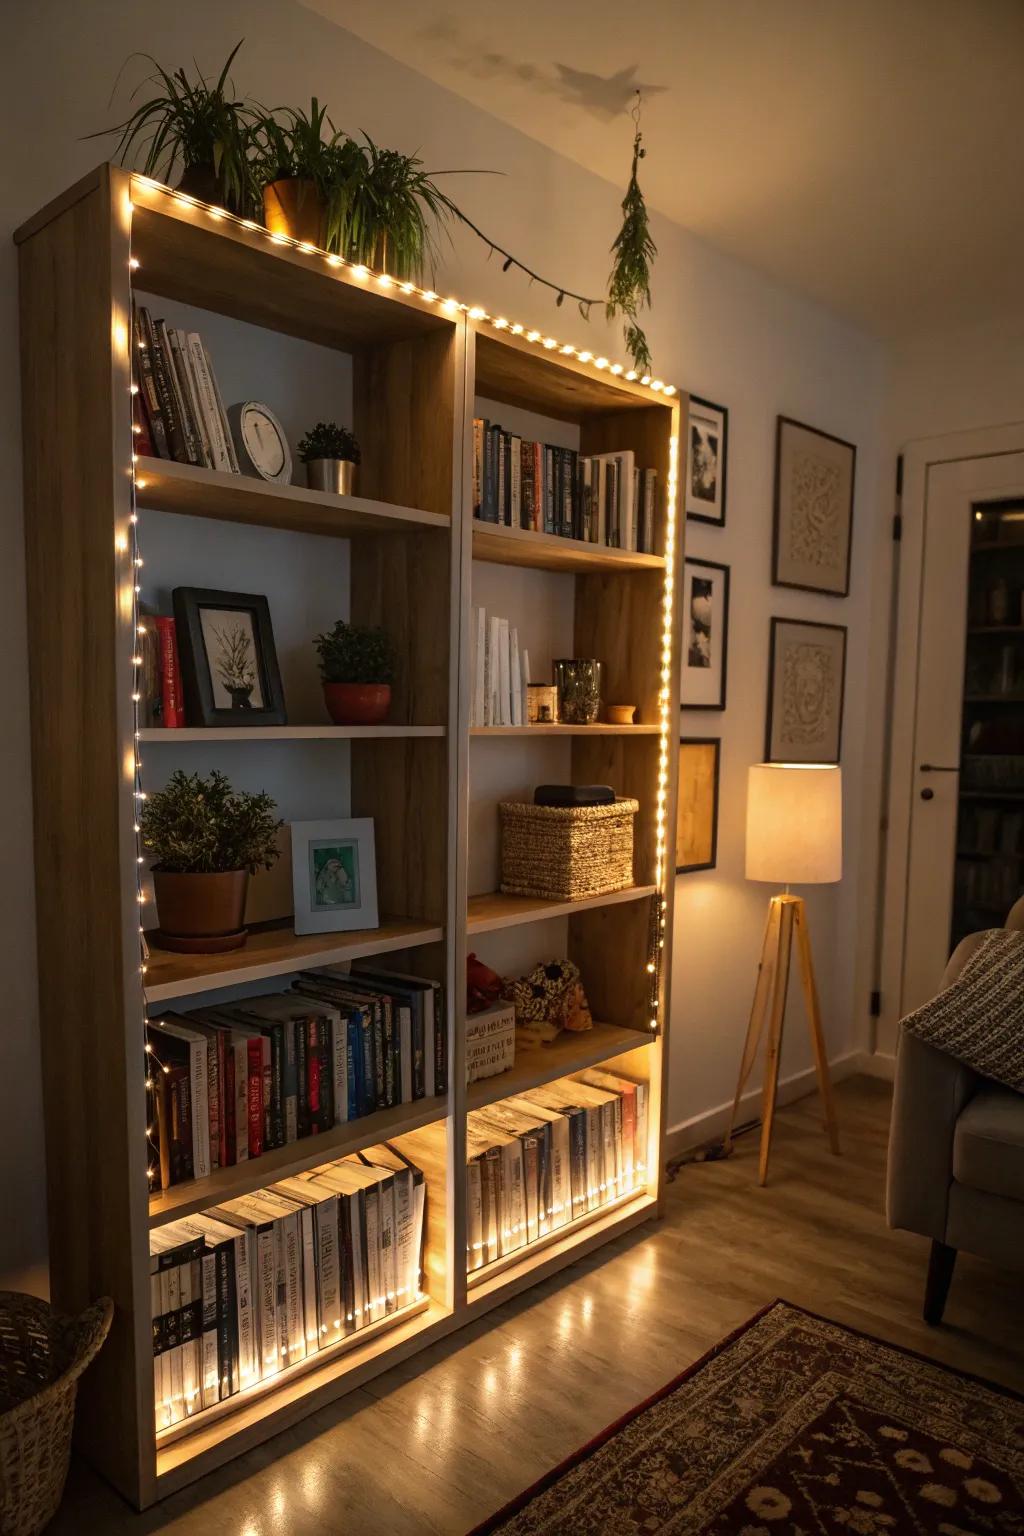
419,365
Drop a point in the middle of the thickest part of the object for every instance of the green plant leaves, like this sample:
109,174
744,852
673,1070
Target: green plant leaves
197,825
350,654
629,284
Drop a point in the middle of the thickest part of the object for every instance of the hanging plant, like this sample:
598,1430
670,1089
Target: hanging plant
199,126
629,285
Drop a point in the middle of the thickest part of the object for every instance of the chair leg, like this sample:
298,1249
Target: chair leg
940,1272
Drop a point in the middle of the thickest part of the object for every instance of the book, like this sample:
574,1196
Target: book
172,709
147,391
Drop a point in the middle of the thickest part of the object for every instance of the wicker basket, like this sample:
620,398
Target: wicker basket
566,853
42,1355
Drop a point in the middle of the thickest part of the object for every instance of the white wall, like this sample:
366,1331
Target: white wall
718,329
953,380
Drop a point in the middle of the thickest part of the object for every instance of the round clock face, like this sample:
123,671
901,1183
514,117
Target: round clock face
265,442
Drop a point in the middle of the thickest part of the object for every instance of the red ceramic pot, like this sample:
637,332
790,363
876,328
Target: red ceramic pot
357,703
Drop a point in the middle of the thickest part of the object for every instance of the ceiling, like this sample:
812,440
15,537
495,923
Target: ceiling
867,153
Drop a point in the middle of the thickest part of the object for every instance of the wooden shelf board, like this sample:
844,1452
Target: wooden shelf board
521,1267
274,950
185,488
198,257
547,552
600,729
515,371
284,1393
538,1064
494,911
281,1162
164,736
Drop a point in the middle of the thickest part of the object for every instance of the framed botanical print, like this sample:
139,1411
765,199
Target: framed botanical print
806,684
705,634
697,815
229,669
706,462
334,875
814,476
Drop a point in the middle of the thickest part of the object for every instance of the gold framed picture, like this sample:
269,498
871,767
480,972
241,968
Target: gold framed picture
697,815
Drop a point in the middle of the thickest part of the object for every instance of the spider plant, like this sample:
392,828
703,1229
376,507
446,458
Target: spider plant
387,215
200,125
305,167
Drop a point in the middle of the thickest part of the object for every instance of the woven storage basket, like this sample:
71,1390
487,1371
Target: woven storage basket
566,853
42,1355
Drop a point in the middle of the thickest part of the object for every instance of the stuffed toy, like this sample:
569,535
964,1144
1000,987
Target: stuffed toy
551,998
483,986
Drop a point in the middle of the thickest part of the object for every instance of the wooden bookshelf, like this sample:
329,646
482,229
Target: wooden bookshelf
419,364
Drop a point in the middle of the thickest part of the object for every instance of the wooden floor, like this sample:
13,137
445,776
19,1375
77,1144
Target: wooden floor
437,1444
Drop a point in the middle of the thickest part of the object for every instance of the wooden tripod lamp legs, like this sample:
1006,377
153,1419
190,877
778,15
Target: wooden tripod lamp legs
786,915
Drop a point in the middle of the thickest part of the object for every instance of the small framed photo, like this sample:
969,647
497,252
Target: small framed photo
697,815
706,462
229,670
814,477
334,875
806,685
705,634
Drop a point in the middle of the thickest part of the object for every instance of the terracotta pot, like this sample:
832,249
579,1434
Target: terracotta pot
357,703
203,182
293,207
201,913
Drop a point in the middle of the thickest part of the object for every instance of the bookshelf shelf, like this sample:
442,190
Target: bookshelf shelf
544,731
547,552
418,366
544,1063
489,913
185,488
275,950
281,1162
157,736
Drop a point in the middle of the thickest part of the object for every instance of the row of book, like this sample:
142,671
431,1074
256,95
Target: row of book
261,1282
180,413
234,1081
544,1158
600,498
499,672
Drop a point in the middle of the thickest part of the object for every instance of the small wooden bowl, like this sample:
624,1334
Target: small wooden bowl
619,714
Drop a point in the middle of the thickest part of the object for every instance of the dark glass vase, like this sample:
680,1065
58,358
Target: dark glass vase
579,691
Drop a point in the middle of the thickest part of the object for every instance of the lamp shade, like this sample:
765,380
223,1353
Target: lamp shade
794,823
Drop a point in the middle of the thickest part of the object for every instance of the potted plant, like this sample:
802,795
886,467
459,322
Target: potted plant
201,126
302,173
387,215
206,839
330,454
357,666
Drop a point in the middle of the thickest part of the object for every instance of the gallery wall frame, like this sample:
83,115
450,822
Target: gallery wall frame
812,525
700,761
705,618
806,692
229,670
707,462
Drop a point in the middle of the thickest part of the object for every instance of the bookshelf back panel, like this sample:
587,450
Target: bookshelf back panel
401,583
305,579
301,382
515,951
403,786
507,768
610,945
405,397
630,765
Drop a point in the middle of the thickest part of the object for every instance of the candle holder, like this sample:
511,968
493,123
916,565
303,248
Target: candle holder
579,690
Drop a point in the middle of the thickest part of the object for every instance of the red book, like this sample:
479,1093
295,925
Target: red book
255,1099
173,709
313,1064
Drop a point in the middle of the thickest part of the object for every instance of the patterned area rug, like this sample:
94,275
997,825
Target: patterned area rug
795,1425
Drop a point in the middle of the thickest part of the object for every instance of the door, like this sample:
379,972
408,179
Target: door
965,508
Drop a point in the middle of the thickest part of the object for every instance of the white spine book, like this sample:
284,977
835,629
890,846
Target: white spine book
419,1209
504,697
359,1316
404,1252
524,669
207,403
229,442
640,1141
480,666
329,1271
187,379
388,1247
374,1302
311,1332
493,669
474,1216
210,1372
601,492
515,678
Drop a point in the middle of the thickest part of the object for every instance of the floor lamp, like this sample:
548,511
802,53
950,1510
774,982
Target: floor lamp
794,837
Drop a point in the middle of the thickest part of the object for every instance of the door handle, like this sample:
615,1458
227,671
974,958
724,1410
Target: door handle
927,794
935,768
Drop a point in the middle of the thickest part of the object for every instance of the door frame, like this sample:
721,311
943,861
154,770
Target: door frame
919,459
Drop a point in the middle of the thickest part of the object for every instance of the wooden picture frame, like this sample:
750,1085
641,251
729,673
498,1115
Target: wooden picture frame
812,532
806,692
705,615
245,652
334,875
707,462
700,760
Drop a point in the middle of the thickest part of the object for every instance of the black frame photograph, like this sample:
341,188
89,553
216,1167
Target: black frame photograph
230,676
705,616
707,462
696,818
803,689
812,525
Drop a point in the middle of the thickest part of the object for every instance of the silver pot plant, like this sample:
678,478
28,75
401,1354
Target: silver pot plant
330,454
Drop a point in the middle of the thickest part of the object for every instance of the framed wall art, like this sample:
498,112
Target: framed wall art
806,684
705,634
334,875
706,462
229,670
814,479
697,814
